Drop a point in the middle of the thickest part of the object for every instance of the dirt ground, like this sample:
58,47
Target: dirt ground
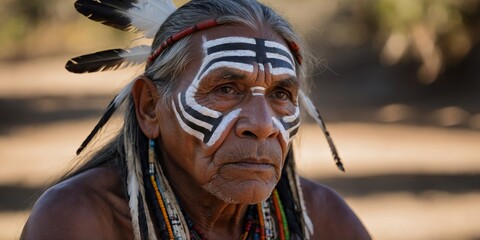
404,181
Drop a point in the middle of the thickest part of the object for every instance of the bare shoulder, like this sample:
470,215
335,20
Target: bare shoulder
90,205
331,216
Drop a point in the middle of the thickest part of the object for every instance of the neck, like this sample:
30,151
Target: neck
214,217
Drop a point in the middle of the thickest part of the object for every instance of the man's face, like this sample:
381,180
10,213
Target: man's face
234,114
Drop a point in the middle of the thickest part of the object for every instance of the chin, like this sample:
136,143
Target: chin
243,192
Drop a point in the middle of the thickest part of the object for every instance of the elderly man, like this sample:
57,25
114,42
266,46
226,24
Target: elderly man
205,150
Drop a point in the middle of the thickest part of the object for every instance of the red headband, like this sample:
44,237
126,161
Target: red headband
202,26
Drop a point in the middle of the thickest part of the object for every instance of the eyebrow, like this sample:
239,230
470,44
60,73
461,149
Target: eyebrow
228,74
288,82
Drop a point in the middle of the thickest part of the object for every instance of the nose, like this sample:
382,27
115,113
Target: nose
255,120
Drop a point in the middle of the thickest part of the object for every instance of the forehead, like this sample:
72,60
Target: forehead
261,32
241,44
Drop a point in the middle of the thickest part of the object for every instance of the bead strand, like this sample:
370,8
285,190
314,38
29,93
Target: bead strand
282,214
162,207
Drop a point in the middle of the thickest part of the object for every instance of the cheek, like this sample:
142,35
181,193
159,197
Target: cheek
184,150
288,125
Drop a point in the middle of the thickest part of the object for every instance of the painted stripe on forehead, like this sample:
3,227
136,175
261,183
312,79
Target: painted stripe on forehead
227,40
239,66
251,47
260,46
224,40
262,53
274,63
272,55
281,70
273,44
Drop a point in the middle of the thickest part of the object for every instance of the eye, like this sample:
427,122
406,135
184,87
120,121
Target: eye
281,94
226,90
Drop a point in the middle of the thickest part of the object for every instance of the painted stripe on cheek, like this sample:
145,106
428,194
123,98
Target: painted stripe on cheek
184,126
283,132
293,117
238,53
219,131
192,119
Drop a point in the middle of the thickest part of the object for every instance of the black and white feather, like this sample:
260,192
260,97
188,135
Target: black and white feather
112,59
315,114
128,15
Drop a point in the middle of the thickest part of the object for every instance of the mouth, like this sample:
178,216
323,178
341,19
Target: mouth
251,165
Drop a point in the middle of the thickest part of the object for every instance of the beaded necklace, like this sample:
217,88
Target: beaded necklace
259,222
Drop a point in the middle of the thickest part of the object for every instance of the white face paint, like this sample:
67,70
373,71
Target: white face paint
238,53
258,91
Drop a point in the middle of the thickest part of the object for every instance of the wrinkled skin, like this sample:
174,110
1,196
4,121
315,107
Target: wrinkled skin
245,164
215,183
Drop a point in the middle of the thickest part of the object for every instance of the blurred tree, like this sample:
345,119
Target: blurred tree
20,17
37,27
435,33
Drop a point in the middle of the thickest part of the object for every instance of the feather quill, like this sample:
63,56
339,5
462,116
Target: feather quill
129,15
112,59
315,114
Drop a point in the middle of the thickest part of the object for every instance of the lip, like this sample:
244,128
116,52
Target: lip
252,164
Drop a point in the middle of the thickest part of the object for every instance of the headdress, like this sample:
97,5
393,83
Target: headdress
146,17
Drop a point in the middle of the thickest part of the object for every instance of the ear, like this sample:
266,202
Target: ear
145,97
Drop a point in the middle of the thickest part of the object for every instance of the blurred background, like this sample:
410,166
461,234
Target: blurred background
397,83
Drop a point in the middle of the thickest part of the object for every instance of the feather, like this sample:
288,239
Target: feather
315,114
112,59
136,189
149,15
112,107
108,12
142,15
306,219
106,116
289,197
133,187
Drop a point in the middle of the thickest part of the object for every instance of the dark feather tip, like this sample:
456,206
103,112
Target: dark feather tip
95,62
340,166
108,12
80,149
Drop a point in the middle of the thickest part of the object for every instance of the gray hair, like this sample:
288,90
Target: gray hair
170,65
172,62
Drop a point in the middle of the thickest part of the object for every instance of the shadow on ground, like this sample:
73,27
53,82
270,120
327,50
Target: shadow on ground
17,197
18,112
413,183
